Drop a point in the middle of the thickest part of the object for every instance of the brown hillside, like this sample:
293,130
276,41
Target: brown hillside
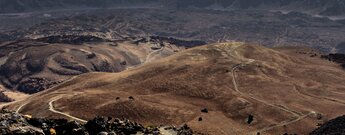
285,91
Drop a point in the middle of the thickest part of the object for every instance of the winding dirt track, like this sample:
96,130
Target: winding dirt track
280,107
338,101
149,56
297,116
20,107
52,109
51,106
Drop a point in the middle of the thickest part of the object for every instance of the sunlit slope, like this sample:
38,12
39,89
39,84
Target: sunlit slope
283,90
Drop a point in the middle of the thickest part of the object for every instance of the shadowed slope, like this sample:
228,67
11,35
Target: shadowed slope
26,67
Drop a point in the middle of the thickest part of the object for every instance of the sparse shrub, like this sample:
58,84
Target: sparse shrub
250,119
205,110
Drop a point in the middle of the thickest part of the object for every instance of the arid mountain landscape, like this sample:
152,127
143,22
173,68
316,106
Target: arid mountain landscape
209,67
231,80
269,28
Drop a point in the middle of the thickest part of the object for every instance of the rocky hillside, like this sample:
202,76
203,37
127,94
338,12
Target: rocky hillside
34,65
12,123
324,7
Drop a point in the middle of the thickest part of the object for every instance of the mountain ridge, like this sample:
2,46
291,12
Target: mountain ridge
322,7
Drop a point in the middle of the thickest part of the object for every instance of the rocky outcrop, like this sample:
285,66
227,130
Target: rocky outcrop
15,124
12,123
71,39
34,85
5,98
178,42
337,57
161,41
333,127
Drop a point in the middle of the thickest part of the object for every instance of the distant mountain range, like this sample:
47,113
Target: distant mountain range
10,6
322,7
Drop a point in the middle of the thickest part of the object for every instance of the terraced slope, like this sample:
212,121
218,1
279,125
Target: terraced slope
282,90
